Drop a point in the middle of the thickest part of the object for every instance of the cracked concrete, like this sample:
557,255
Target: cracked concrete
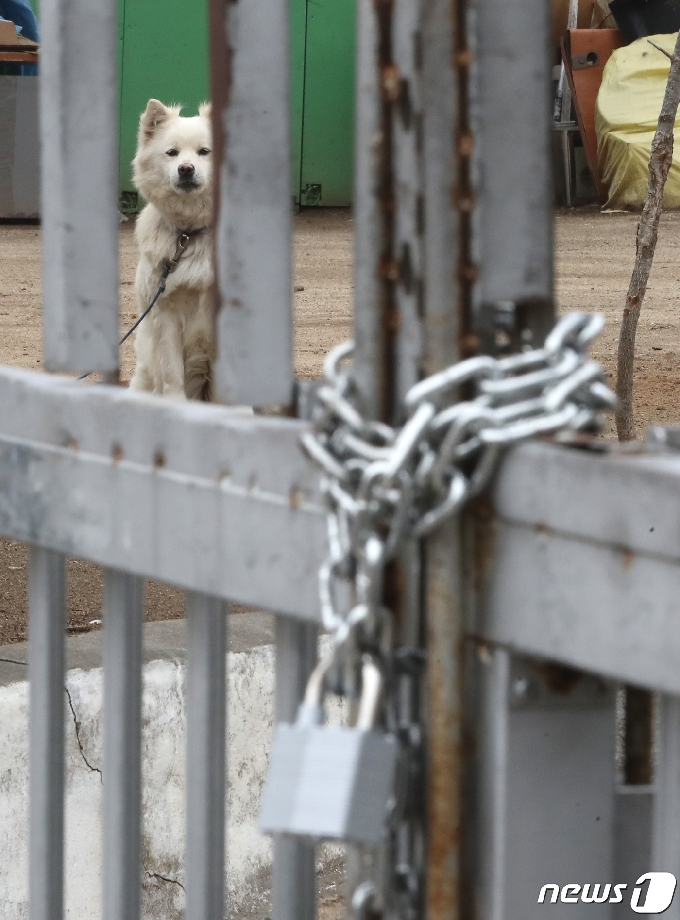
76,725
249,727
162,878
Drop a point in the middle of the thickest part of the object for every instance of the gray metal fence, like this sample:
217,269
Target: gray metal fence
576,560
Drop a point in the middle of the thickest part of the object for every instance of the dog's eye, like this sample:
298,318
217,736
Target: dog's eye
204,151
172,152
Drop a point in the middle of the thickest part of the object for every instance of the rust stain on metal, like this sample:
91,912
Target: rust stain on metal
388,270
468,272
294,498
469,345
159,460
627,558
464,58
484,537
466,144
220,93
465,202
388,267
390,82
117,453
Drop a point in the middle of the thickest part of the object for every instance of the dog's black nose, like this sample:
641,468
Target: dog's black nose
185,170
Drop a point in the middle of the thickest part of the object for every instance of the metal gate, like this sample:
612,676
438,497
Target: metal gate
575,560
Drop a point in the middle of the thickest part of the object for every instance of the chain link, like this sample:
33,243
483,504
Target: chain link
383,485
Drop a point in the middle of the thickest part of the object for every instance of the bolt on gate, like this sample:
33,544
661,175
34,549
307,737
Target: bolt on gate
529,608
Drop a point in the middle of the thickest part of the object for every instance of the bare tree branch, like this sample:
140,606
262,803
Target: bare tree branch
659,48
647,232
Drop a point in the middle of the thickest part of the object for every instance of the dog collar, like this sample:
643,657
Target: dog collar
191,232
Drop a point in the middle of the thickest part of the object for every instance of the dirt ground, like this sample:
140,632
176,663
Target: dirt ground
594,258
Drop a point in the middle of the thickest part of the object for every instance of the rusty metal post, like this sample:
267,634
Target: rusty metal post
445,681
448,276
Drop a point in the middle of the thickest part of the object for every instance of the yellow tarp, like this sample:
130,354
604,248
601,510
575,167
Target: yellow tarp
626,115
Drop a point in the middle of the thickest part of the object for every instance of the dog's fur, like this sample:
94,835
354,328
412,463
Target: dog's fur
174,344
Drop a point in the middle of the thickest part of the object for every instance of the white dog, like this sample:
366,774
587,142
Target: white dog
173,171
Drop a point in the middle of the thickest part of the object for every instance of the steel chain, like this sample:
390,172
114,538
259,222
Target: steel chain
383,485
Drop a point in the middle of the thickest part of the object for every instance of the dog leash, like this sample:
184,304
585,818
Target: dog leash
183,241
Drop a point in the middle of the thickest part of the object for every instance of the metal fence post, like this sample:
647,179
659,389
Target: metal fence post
206,756
122,614
251,103
79,189
47,615
293,872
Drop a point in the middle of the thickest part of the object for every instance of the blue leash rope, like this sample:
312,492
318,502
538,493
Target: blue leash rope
147,311
170,265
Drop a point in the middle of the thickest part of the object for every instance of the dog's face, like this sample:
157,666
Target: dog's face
174,155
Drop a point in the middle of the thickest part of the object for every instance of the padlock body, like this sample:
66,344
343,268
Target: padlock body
329,783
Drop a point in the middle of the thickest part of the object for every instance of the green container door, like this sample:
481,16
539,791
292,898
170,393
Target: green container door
327,142
164,56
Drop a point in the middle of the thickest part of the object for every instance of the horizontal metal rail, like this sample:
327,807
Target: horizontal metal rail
200,498
581,563
187,494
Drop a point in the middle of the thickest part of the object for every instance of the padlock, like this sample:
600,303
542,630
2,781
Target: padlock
328,782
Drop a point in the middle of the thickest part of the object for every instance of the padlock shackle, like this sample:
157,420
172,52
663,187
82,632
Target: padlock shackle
311,709
314,691
371,692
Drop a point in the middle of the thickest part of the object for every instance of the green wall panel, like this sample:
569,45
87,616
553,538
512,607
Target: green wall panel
164,56
328,122
163,53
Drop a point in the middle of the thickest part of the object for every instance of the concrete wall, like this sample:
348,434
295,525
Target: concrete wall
250,690
19,148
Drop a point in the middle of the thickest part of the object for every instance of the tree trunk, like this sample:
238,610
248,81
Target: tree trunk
648,228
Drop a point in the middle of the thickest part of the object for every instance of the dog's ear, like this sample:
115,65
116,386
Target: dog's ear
205,110
153,117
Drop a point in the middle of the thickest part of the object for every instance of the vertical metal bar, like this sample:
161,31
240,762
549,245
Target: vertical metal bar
494,676
122,613
79,142
666,809
46,608
206,758
440,264
375,269
514,201
388,206
251,99
294,879
407,144
512,303
445,687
